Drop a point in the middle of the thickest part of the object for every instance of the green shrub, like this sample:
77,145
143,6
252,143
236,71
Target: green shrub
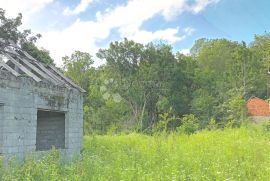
164,123
266,126
1,165
189,124
212,125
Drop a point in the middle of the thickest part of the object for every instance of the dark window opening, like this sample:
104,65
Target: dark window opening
50,130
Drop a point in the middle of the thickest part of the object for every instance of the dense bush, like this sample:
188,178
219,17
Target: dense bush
190,124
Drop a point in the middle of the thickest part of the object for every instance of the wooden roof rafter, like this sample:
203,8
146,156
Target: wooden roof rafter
22,68
23,62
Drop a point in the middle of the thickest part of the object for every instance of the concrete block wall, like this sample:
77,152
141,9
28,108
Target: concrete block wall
22,97
1,127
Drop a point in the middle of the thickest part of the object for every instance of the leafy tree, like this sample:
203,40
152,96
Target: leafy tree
79,67
9,28
260,55
41,55
156,71
9,32
123,59
145,76
190,124
104,110
223,66
182,84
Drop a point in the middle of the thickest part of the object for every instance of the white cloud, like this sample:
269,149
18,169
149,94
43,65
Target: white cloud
132,15
126,19
169,35
79,36
174,8
189,30
201,4
79,8
185,51
26,7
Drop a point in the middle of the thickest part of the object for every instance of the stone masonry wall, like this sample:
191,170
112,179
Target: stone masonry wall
22,97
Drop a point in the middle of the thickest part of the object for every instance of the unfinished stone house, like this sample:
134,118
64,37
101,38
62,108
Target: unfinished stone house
40,108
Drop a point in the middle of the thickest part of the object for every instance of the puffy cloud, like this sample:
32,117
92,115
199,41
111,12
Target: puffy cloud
169,35
26,7
201,4
79,36
185,51
127,19
79,8
189,30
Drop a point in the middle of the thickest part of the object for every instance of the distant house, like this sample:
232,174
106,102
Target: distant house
40,108
258,109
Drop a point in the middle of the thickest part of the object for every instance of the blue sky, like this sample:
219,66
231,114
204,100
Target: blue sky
88,25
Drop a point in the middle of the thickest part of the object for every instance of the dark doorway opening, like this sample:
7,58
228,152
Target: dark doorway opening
50,130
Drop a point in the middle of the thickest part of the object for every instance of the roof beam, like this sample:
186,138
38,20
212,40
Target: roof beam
9,69
25,70
66,79
28,56
37,70
56,78
52,77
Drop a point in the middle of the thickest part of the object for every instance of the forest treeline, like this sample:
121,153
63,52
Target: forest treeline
148,88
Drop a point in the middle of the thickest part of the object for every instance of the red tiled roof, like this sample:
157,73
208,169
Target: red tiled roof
258,107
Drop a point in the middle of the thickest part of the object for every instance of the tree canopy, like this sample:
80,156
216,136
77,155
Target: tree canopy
139,84
9,32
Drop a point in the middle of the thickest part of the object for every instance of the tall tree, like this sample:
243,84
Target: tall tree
9,32
149,78
123,60
78,67
260,54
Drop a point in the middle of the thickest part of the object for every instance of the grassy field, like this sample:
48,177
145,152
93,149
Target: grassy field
231,154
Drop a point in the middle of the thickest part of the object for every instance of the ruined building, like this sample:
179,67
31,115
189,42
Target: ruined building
40,108
258,109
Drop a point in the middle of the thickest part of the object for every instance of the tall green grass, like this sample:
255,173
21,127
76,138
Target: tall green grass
230,154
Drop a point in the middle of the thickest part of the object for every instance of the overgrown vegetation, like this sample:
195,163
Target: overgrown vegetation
229,154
